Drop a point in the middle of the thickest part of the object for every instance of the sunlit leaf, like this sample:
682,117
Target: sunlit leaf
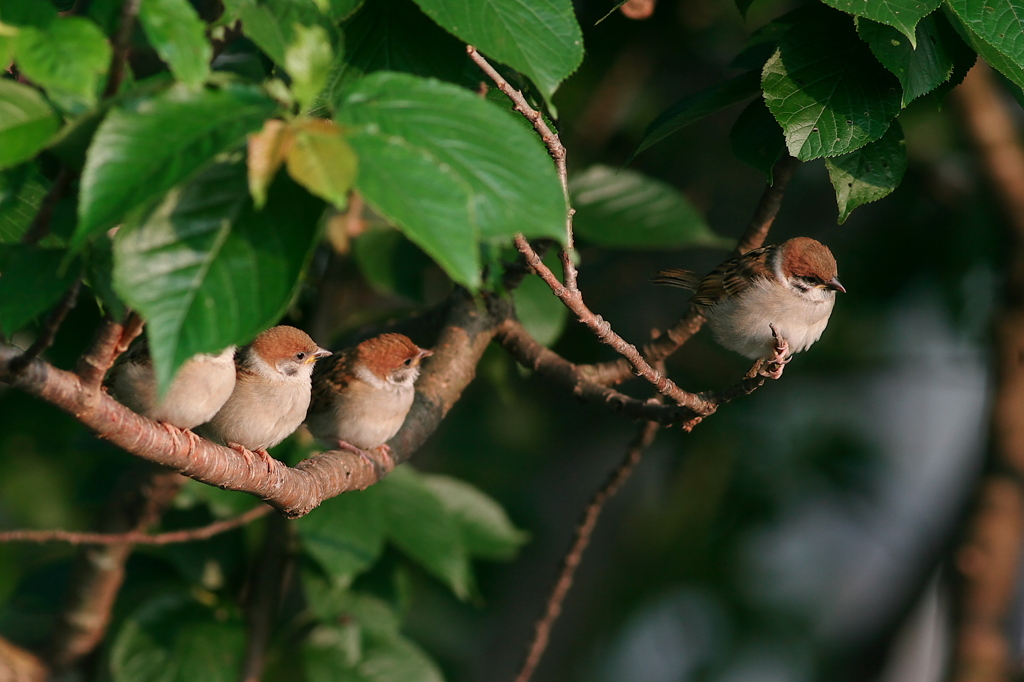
178,35
902,15
320,160
148,146
26,123
308,61
206,270
870,173
67,58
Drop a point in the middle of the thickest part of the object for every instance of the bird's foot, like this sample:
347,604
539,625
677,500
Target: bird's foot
772,365
380,469
250,455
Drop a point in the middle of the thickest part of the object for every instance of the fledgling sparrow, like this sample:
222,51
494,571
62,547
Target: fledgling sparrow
271,394
200,388
768,303
361,395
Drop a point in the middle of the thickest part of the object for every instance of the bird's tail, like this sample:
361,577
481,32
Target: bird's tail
684,279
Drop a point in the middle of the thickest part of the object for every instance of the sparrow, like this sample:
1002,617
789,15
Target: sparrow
362,395
271,394
200,387
768,303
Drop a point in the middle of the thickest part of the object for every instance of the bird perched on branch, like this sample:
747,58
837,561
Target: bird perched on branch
199,389
768,303
362,395
272,390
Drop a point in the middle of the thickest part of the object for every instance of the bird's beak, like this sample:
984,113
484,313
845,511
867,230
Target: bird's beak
424,353
835,285
317,354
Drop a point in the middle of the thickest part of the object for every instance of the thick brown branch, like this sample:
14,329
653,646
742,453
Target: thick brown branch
467,328
136,537
584,531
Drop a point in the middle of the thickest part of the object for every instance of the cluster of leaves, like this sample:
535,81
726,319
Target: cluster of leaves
829,85
341,630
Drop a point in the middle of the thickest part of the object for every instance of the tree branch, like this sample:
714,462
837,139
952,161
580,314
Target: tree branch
135,537
584,531
466,330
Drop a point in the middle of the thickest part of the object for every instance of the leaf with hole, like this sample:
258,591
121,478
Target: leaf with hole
826,89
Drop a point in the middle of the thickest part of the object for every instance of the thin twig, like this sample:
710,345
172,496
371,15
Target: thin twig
49,331
136,537
584,531
40,226
573,300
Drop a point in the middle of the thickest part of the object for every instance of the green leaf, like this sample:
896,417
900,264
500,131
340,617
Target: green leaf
67,58
468,171
539,38
271,23
346,534
486,529
757,139
174,638
999,24
178,35
870,173
364,644
421,526
308,61
21,193
27,13
826,89
694,107
394,35
629,210
32,280
902,15
149,145
26,123
1008,66
920,70
205,269
322,161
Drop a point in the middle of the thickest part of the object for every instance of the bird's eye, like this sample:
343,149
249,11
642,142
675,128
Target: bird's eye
300,356
408,361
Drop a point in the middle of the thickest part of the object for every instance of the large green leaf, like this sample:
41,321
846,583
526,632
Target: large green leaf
26,123
870,173
178,35
207,270
902,15
468,170
694,107
1012,68
346,534
394,35
174,638
1000,24
271,23
540,38
149,145
920,69
826,89
486,529
627,209
420,524
67,58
